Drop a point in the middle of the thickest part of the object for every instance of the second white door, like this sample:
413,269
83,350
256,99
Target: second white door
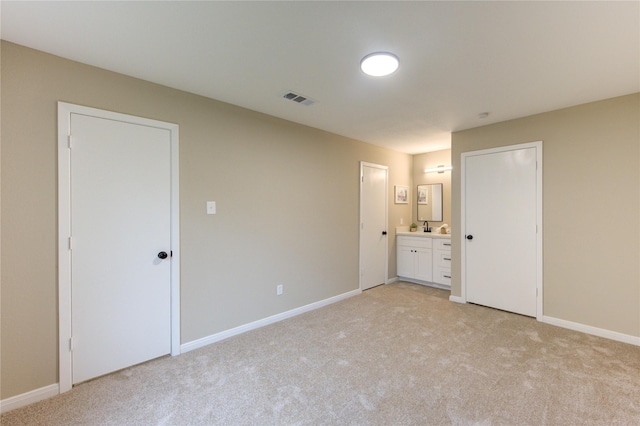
373,225
500,224
120,226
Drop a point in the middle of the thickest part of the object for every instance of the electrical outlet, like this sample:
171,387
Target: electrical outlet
279,290
401,221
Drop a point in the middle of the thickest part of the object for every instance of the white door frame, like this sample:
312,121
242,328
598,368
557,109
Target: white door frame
64,229
463,226
364,164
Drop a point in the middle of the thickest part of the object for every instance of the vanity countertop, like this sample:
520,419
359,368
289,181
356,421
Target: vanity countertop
422,234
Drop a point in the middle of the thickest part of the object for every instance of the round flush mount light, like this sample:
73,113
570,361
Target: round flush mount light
379,64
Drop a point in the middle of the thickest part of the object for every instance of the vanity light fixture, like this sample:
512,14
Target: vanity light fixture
379,64
439,169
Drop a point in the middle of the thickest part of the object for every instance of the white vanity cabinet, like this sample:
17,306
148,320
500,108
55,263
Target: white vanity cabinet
415,258
424,259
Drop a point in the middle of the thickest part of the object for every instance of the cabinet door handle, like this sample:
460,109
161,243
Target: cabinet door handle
445,244
446,258
447,276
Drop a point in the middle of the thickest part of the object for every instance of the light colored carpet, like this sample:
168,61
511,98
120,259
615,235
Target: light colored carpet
399,354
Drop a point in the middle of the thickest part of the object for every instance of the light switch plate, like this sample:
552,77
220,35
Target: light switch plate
211,207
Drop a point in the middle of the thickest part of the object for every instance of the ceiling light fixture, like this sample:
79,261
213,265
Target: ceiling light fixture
379,64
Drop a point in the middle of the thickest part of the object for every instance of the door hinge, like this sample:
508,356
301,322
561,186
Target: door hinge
70,243
71,347
362,178
69,141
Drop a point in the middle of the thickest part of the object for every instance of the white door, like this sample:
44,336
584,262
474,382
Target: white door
120,223
373,225
501,216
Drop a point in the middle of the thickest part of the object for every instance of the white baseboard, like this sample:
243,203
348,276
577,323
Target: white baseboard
195,344
600,332
29,398
456,299
392,280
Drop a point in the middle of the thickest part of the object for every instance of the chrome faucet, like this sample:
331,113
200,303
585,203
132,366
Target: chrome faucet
426,226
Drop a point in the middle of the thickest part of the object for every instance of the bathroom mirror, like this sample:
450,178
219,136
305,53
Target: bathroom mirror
429,202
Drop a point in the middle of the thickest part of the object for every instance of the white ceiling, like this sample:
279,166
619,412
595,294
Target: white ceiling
457,59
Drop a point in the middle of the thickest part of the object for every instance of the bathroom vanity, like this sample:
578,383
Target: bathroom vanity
424,258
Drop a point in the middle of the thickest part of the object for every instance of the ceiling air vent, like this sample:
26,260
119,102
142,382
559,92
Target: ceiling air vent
298,98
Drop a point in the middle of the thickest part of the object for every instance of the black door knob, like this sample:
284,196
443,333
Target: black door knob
384,232
163,255
469,237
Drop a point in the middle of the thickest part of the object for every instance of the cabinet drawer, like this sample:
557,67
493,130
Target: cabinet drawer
442,275
442,244
442,258
414,242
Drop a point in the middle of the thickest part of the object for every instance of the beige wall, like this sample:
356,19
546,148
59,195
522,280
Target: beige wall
429,160
287,200
591,192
